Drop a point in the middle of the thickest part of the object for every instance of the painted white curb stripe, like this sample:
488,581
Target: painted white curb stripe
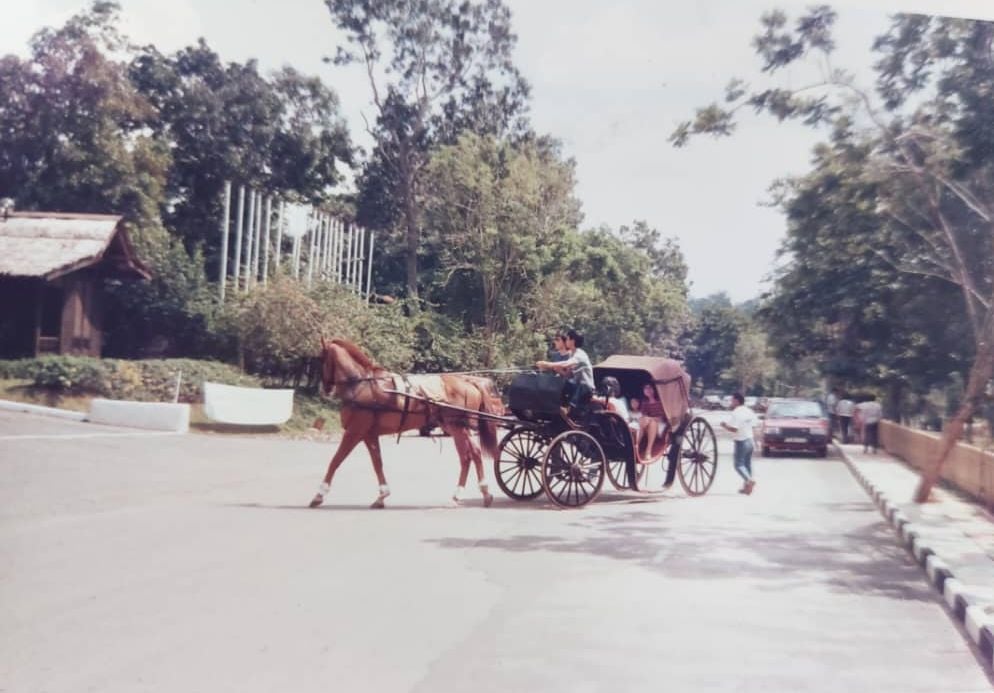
8,405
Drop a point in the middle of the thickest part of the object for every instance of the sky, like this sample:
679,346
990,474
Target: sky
610,80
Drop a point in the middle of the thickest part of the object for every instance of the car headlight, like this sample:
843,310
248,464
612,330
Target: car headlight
773,429
816,430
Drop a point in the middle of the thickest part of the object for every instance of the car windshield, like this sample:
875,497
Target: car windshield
788,410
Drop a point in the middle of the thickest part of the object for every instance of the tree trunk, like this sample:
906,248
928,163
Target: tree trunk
980,374
412,232
413,236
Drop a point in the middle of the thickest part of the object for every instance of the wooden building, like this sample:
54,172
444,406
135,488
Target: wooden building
52,270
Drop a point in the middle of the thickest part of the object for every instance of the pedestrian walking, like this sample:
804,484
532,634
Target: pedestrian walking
741,424
831,401
870,412
844,410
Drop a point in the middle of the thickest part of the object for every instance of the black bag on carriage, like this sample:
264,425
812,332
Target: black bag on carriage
536,396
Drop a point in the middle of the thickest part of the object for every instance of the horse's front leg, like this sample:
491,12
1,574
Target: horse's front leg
350,438
372,441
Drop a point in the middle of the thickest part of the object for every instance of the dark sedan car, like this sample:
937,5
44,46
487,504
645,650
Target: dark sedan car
795,426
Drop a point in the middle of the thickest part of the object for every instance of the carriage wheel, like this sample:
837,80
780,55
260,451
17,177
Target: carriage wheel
518,462
618,475
574,469
698,457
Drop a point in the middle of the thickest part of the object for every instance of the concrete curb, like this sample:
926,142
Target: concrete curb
8,405
977,616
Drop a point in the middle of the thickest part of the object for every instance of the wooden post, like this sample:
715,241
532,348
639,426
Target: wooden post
238,233
224,236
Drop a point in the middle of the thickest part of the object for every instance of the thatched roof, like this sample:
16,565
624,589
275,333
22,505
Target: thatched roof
49,245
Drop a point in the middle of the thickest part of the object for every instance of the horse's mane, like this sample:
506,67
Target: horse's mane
357,354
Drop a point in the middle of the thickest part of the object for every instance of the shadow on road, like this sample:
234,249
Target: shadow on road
864,560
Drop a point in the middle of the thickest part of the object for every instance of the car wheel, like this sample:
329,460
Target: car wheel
822,452
766,451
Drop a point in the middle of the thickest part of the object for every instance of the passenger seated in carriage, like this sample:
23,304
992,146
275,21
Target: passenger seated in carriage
652,422
577,370
614,402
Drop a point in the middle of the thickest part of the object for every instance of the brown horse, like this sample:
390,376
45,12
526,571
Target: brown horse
370,409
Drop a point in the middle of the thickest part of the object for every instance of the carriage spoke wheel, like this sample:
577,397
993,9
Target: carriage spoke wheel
518,464
698,460
573,470
617,474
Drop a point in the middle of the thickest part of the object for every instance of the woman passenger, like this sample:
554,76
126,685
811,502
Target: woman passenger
652,423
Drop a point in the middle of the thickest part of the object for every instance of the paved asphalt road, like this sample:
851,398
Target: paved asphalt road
134,562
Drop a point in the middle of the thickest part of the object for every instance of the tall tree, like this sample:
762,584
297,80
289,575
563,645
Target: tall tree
713,333
929,132
73,126
434,68
500,215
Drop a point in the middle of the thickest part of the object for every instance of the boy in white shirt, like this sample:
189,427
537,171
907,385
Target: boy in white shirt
741,424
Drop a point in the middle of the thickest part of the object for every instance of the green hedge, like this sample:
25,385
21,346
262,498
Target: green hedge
152,380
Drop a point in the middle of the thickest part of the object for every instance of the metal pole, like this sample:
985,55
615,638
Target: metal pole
336,262
224,236
310,252
322,246
249,233
257,246
352,250
279,233
296,257
362,260
327,247
265,251
238,233
369,267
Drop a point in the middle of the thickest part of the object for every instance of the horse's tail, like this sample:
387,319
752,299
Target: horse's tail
492,405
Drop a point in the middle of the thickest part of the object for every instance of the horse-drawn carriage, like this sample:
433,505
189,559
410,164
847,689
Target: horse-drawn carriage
568,459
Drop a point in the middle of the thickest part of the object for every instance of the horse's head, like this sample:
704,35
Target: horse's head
327,367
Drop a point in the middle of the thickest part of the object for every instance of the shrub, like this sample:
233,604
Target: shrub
149,380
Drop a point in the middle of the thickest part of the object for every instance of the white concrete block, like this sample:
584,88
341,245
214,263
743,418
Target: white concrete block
933,564
154,416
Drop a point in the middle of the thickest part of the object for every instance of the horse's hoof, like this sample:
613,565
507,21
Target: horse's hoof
488,500
316,501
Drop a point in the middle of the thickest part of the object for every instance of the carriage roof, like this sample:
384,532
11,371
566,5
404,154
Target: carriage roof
672,382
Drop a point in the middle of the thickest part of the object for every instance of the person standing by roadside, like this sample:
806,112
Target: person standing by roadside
844,411
831,401
870,413
741,424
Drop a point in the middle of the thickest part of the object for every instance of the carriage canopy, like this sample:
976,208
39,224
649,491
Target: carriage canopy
672,383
